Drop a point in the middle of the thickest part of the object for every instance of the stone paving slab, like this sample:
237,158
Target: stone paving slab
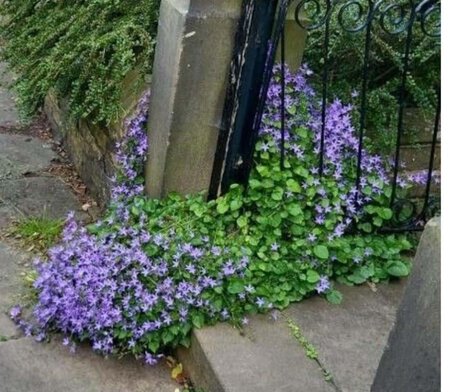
350,337
21,154
8,113
27,366
268,359
11,264
39,196
7,214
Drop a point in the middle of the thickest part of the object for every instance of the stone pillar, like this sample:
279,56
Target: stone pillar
190,75
412,359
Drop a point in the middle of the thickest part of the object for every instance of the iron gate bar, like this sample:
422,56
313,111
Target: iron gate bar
246,76
278,28
401,108
365,76
432,154
282,96
326,46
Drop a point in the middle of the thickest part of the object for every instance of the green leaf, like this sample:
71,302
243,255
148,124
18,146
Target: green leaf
312,276
153,345
277,194
222,208
242,221
367,227
385,213
235,204
135,211
236,287
198,320
321,251
334,296
397,268
293,186
377,221
294,209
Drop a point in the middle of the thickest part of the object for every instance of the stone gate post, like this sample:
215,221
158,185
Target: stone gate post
190,77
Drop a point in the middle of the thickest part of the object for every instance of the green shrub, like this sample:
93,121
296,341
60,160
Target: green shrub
81,49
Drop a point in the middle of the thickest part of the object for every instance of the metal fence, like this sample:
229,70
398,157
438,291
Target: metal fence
262,31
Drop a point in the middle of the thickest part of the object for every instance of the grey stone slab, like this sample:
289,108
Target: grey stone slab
21,154
411,361
7,214
8,112
350,338
27,366
11,264
11,286
39,196
268,359
8,329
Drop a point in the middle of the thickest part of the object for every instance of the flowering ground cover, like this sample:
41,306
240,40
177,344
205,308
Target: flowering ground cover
141,278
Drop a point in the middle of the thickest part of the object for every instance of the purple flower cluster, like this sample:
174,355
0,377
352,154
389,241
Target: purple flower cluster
93,285
131,154
303,130
102,286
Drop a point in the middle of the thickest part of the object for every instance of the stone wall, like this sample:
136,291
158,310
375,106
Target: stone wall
415,150
91,146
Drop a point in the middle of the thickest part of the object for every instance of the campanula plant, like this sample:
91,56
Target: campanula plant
141,278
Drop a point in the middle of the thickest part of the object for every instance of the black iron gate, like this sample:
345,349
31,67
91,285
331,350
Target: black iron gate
262,32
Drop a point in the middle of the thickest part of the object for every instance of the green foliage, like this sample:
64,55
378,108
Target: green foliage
346,59
268,226
38,233
81,49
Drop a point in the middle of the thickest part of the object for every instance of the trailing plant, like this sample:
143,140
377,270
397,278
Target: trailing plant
82,49
150,271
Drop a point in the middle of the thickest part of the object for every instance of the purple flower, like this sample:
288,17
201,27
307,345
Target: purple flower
15,312
151,359
260,302
275,315
274,247
312,237
323,285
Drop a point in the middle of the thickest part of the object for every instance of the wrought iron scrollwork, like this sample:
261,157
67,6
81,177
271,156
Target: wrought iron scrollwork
355,15
396,18
318,17
429,12
404,213
355,11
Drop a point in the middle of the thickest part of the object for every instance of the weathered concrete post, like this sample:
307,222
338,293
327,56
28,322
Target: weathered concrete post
190,75
295,40
412,359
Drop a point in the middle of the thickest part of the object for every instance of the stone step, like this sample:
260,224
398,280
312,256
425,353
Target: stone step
350,339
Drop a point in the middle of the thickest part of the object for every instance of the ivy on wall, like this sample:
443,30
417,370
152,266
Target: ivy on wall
83,50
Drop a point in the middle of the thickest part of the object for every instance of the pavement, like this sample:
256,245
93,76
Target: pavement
27,189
